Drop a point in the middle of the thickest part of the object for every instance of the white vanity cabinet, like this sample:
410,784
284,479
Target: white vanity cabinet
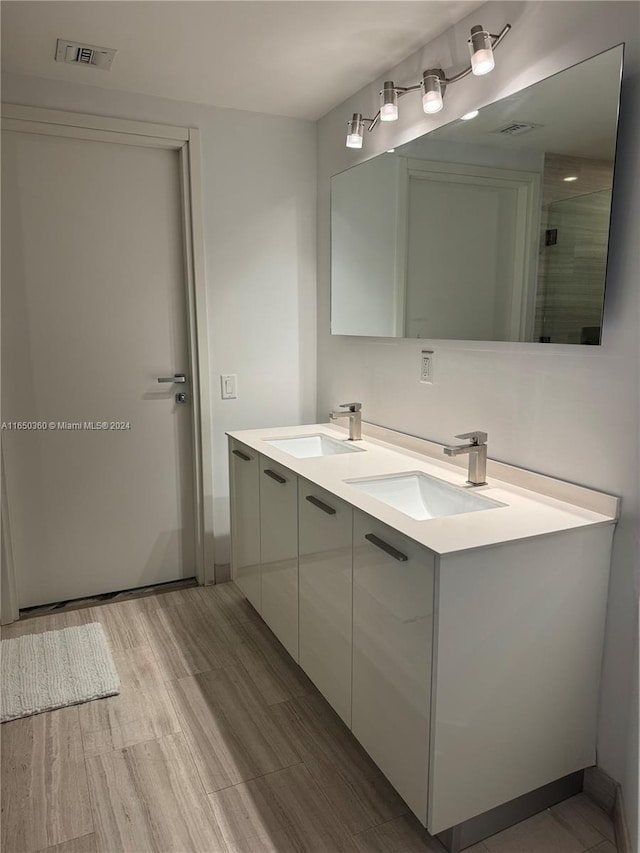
326,536
393,581
464,658
245,520
279,552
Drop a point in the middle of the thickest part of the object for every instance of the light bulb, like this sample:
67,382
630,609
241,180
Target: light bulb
481,50
469,116
571,178
388,102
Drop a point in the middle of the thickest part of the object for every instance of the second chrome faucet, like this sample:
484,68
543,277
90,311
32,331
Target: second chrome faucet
354,413
477,450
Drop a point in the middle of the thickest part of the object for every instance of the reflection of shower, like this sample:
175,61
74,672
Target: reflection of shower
573,266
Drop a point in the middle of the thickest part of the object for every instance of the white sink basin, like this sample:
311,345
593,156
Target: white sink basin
420,496
305,446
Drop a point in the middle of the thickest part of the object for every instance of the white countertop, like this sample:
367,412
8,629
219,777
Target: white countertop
527,513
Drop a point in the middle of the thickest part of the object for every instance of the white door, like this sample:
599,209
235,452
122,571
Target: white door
93,312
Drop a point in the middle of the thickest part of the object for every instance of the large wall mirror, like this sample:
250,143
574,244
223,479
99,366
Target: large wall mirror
492,228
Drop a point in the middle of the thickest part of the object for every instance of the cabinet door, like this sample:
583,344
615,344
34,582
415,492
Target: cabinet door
326,562
392,645
244,472
279,552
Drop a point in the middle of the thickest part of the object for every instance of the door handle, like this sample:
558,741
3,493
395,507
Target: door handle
178,378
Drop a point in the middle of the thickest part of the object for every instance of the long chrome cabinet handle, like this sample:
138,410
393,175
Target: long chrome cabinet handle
388,549
318,503
241,455
177,378
274,476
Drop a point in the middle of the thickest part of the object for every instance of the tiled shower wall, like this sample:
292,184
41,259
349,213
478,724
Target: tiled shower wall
571,273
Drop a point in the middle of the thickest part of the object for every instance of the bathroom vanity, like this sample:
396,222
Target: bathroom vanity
456,630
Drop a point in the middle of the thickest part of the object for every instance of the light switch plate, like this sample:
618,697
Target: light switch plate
229,386
427,360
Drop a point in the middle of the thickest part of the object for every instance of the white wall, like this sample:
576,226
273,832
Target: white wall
259,220
568,412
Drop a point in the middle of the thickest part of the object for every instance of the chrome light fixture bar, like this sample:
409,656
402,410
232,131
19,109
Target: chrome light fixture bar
432,85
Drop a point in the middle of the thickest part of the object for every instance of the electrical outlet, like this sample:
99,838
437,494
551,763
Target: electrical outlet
427,358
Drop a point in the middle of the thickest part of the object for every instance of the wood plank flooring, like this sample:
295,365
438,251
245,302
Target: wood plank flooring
218,743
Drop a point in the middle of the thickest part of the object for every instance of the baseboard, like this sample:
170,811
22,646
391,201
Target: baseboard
222,572
601,788
467,834
621,825
607,793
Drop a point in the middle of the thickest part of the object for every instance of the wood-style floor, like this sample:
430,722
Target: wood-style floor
217,742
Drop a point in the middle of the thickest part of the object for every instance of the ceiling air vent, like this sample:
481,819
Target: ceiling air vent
517,128
85,54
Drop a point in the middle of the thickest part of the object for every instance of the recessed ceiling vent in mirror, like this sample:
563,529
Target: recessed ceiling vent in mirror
517,128
85,54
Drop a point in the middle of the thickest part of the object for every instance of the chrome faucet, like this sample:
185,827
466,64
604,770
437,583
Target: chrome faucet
354,414
477,450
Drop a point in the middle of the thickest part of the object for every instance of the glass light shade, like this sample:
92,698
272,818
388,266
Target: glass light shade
431,91
388,102
482,62
432,102
481,50
389,112
355,129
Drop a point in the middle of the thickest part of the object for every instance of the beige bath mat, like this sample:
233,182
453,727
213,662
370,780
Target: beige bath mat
41,672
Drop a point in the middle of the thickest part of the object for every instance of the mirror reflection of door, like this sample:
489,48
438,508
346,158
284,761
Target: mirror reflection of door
470,235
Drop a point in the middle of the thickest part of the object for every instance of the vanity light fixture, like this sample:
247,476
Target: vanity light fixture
432,86
469,116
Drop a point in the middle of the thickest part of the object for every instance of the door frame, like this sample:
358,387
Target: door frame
186,141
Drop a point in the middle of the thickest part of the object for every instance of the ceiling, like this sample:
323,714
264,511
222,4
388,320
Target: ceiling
293,58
